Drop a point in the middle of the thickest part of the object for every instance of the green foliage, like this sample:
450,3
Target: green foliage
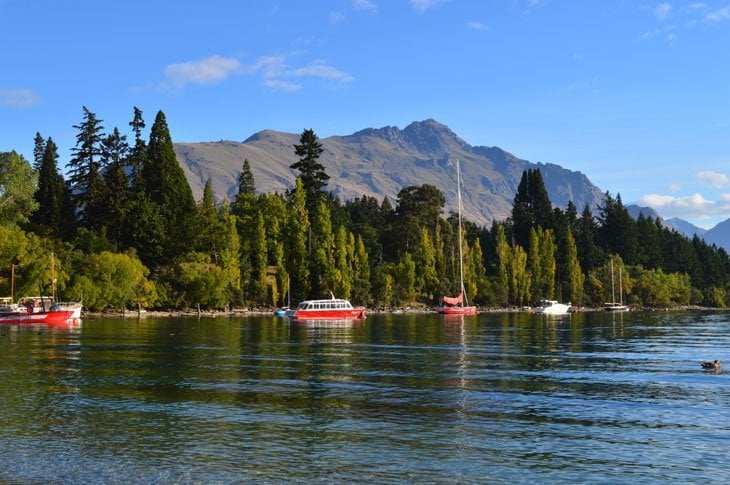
17,187
113,280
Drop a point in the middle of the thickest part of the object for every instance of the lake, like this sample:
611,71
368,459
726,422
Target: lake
496,397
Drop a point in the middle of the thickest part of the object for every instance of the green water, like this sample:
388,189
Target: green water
490,398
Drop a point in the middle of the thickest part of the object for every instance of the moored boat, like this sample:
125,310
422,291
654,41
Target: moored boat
330,309
30,310
552,307
458,305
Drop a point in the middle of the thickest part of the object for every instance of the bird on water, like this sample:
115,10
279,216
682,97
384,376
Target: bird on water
711,365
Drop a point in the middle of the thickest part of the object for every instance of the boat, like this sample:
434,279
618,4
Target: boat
614,306
552,307
458,305
38,309
329,309
32,310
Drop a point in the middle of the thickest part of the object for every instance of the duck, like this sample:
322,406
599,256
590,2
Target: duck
711,365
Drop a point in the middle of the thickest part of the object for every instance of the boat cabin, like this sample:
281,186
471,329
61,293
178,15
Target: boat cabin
325,305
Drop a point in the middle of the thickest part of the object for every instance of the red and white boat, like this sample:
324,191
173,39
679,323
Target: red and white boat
34,310
331,309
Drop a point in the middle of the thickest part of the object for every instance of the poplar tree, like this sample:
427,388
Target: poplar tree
260,263
323,243
576,278
427,280
504,261
296,242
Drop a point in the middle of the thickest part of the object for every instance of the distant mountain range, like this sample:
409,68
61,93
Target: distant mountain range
718,235
379,162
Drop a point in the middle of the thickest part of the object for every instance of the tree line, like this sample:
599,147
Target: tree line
125,230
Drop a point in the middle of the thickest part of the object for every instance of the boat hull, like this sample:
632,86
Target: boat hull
348,314
46,318
457,310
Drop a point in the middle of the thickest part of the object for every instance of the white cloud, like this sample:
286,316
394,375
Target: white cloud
674,188
423,5
718,15
662,11
366,5
277,85
18,98
275,72
477,26
320,70
690,207
713,179
205,71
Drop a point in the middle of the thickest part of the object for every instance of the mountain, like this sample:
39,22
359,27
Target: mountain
684,227
719,235
379,162
634,211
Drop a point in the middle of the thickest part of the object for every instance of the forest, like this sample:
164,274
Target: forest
125,232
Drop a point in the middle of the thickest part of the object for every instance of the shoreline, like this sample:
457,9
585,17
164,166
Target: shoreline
419,310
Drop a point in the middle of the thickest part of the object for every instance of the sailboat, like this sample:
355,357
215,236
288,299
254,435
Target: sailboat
614,306
458,305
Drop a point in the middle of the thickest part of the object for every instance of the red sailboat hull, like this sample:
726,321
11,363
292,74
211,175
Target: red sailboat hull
457,310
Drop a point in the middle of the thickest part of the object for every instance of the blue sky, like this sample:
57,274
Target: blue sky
634,94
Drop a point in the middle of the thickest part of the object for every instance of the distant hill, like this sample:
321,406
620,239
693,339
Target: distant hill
634,211
379,162
685,227
719,235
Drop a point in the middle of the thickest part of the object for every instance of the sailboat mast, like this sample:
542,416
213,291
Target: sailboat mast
458,202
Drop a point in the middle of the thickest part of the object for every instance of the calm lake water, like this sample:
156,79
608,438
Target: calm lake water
491,398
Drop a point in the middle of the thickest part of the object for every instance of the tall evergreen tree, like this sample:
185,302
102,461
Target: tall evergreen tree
85,178
246,183
39,148
51,194
116,213
314,178
531,207
138,153
167,187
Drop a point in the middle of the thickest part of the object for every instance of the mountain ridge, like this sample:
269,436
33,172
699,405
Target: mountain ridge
379,162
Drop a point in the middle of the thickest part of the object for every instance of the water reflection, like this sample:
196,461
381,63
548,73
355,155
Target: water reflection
493,397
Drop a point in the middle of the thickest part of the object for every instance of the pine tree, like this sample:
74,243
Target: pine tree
116,213
314,178
246,183
531,207
167,187
85,176
138,153
51,194
39,148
